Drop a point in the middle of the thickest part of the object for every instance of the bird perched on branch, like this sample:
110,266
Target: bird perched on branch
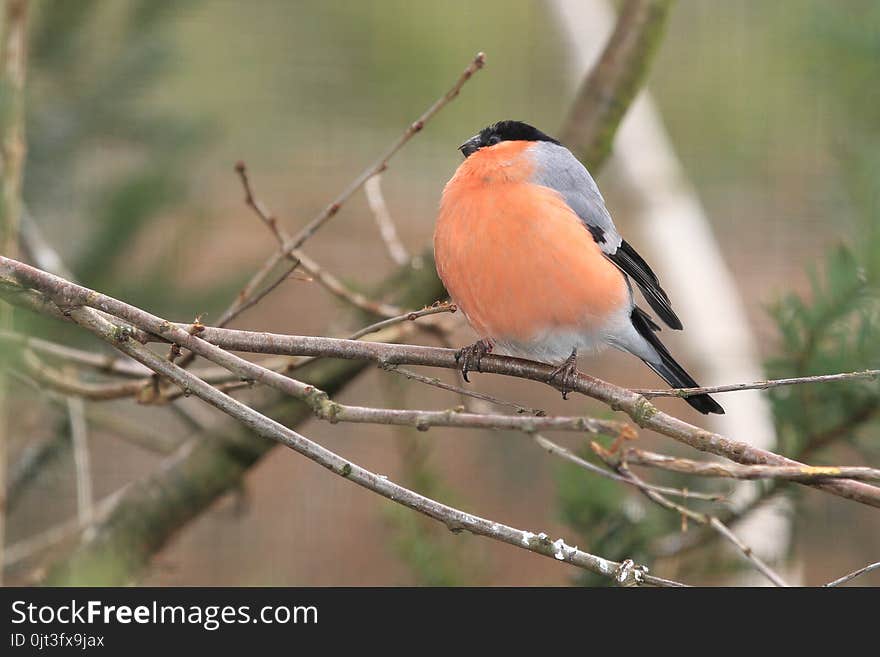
527,250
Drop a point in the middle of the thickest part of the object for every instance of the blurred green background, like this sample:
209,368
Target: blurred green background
137,112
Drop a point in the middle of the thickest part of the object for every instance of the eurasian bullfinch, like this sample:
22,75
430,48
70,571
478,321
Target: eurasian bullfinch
527,250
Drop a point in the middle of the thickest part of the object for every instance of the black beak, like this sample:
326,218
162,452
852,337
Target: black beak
471,146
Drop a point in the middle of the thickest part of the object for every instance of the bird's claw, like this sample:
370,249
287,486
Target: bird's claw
468,358
567,374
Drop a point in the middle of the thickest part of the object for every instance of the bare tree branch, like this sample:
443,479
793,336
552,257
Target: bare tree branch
608,91
405,317
65,383
454,519
250,294
109,363
558,450
299,258
213,343
868,375
734,471
437,383
32,545
678,544
702,518
861,571
317,399
79,437
376,200
207,465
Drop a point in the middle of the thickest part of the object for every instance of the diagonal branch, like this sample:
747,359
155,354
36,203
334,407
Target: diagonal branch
608,91
734,471
454,519
250,293
299,258
702,518
558,450
387,229
213,343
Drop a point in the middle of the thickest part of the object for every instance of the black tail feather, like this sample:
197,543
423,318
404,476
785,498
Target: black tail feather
668,369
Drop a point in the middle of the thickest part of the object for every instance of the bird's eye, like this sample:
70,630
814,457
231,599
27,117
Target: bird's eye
494,139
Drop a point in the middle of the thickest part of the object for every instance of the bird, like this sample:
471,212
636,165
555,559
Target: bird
528,251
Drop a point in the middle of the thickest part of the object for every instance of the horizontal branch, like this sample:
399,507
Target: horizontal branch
869,375
209,463
69,293
437,383
636,406
109,363
558,450
28,547
387,229
802,474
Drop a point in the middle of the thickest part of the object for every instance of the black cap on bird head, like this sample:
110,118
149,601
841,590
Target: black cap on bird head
503,131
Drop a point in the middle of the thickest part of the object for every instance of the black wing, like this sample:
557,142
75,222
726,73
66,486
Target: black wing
559,170
666,366
632,265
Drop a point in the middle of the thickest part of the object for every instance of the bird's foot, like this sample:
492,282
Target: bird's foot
468,358
567,374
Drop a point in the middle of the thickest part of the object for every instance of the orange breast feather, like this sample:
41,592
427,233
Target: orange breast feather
515,258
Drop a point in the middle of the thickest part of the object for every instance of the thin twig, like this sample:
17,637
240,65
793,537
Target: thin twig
437,383
69,385
318,400
342,291
568,455
646,415
388,231
854,574
607,92
410,316
136,433
870,375
39,249
32,545
299,258
620,465
251,200
250,294
13,146
76,411
454,519
675,544
109,363
735,471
